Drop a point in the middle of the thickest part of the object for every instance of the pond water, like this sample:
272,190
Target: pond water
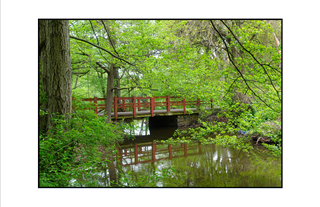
144,163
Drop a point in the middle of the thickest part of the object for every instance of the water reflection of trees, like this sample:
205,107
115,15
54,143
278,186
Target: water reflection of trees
221,167
215,166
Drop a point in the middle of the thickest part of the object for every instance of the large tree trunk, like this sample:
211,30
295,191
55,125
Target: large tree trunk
109,98
55,65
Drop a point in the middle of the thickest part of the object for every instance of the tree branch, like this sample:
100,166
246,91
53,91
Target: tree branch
109,37
231,86
78,68
272,68
96,39
90,43
83,53
238,68
80,73
75,84
77,62
134,87
104,68
253,58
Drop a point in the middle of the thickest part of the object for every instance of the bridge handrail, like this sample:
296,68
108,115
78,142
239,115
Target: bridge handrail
136,103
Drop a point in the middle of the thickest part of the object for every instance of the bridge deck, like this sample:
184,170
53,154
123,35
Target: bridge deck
147,113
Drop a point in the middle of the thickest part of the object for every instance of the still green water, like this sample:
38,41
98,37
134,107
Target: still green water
142,163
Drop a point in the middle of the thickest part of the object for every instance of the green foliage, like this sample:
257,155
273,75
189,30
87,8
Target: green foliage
73,145
274,149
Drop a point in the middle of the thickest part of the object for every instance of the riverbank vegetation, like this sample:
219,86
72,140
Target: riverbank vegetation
235,63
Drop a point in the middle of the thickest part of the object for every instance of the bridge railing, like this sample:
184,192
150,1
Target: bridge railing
134,104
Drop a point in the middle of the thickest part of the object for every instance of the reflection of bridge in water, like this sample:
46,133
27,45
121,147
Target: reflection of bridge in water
152,152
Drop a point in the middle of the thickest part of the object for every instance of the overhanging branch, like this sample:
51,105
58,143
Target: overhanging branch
134,87
97,39
109,37
238,68
253,58
231,86
104,68
90,43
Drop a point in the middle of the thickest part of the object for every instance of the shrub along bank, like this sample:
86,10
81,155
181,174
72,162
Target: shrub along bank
236,126
73,146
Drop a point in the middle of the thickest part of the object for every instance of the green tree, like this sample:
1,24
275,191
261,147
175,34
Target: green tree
121,49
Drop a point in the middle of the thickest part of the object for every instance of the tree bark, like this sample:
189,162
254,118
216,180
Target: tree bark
109,98
55,64
112,174
111,77
75,84
117,92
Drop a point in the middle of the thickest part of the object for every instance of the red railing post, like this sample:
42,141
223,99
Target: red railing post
184,106
123,105
168,103
170,151
151,105
153,151
198,102
115,107
211,103
136,153
134,106
95,103
139,108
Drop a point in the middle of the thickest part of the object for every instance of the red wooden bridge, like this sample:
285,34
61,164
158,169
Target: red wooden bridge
133,107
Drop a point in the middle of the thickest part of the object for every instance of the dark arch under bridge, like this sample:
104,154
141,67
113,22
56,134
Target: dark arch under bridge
135,107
